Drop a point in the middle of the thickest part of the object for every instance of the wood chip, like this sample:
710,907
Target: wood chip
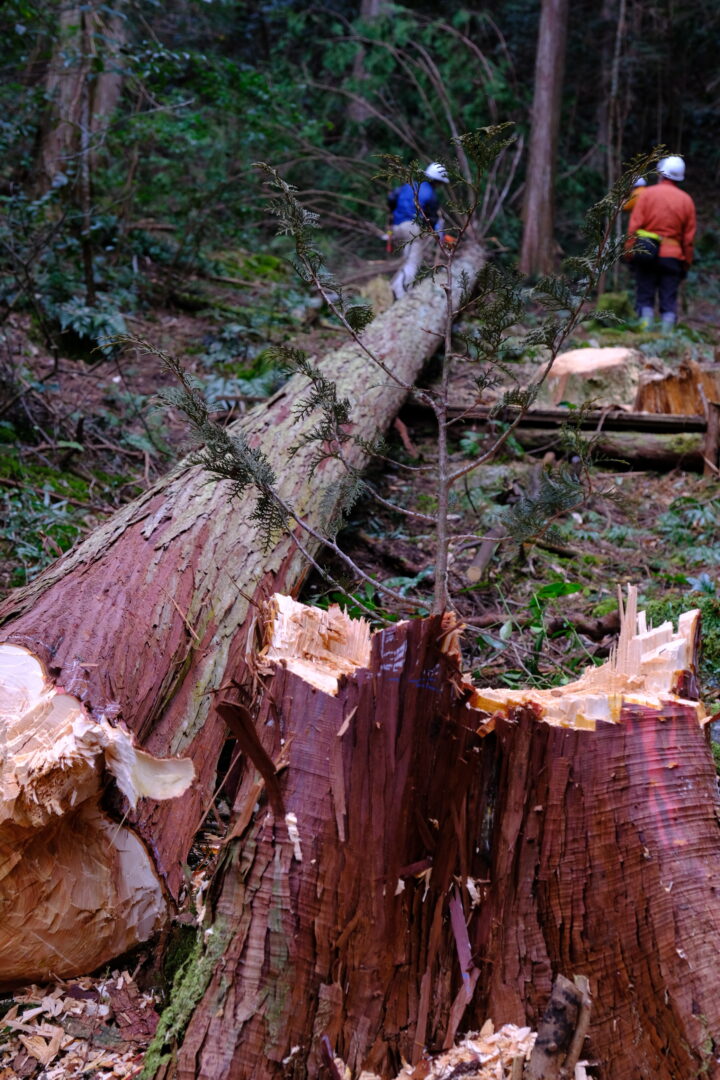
101,1030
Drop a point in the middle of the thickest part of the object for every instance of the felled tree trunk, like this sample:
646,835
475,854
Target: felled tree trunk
411,855
154,612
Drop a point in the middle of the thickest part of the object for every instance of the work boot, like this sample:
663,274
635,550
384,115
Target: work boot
647,315
668,320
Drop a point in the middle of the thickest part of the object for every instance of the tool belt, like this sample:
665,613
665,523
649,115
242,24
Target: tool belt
646,247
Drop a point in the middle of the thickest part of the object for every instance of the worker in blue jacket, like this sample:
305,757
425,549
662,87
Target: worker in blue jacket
414,209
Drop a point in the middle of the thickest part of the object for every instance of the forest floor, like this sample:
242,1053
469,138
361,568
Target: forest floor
82,435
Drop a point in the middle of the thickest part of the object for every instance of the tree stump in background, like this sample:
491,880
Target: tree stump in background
607,376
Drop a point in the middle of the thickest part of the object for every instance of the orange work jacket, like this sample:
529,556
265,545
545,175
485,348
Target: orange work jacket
666,210
633,198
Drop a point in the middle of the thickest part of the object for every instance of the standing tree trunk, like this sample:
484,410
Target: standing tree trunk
151,615
537,254
358,111
82,93
83,87
410,854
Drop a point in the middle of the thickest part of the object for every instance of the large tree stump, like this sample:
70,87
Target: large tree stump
154,612
411,855
333,896
684,391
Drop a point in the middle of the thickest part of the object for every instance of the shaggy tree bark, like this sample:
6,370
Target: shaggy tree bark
333,900
154,612
410,855
605,856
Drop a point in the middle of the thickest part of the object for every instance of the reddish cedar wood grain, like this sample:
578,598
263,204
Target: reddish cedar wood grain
590,852
606,862
352,941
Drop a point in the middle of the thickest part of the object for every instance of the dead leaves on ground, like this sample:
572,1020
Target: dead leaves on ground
89,1028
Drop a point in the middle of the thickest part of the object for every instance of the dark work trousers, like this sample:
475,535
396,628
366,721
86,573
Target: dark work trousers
661,276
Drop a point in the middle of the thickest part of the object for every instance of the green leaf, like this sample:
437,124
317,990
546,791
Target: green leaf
557,588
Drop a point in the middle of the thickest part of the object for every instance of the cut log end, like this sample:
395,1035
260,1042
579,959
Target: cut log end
63,862
649,668
606,376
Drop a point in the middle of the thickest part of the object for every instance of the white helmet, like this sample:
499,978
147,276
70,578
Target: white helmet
672,168
436,171
640,182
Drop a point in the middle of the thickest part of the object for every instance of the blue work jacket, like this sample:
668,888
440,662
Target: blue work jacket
402,203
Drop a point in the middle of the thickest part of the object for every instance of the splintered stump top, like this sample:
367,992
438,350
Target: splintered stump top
607,853
652,669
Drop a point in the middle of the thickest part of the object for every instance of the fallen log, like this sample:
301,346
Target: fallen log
154,612
436,853
585,420
682,449
647,440
615,449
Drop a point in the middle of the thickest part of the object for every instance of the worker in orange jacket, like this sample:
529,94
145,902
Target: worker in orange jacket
666,213
635,194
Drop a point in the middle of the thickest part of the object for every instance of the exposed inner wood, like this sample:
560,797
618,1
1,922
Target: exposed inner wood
76,888
685,390
318,645
647,667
